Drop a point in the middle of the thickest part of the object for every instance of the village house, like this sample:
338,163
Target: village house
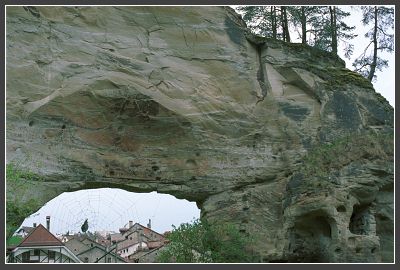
90,251
41,246
137,238
24,230
115,238
97,254
146,256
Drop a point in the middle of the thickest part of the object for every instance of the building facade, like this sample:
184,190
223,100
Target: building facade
40,246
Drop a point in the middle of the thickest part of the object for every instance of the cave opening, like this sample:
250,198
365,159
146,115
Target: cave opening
109,211
310,238
362,221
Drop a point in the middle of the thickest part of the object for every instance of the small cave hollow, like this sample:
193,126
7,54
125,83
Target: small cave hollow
310,239
362,221
341,209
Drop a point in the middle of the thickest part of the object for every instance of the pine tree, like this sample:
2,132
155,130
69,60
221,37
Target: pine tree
303,17
266,21
381,20
285,24
329,29
334,42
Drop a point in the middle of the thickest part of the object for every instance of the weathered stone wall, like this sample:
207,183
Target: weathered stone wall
183,100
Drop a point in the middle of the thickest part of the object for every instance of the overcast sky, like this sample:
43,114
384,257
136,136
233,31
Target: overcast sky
110,209
385,78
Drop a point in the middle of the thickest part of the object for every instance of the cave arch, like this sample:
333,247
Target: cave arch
109,209
362,220
310,238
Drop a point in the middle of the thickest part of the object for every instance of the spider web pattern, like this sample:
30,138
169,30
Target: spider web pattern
108,209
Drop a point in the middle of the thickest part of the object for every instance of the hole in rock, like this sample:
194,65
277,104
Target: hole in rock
309,237
191,163
63,127
341,208
30,123
113,214
361,220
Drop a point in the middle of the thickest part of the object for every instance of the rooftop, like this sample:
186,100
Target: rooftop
40,236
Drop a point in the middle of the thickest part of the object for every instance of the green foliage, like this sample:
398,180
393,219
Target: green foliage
15,174
17,211
14,240
324,159
322,29
261,20
202,242
314,22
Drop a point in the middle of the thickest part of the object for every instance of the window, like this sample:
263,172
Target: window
25,256
36,252
91,244
109,260
52,255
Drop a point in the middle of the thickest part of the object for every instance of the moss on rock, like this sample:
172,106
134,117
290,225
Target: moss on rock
328,157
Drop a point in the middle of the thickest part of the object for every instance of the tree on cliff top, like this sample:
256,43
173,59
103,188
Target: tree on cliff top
202,242
322,27
381,20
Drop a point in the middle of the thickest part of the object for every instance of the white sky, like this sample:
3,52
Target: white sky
110,209
385,78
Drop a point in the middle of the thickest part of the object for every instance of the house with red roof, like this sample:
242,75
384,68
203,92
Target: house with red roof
41,246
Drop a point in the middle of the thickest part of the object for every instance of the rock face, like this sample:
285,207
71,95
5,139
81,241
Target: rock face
280,139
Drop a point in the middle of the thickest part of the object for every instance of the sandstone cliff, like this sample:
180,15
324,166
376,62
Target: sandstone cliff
280,139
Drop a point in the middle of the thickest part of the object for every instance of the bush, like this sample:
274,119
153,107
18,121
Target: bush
202,242
16,210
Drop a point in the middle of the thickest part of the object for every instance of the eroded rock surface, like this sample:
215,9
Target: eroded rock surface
280,139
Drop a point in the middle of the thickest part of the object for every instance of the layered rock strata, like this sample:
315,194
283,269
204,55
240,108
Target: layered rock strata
280,139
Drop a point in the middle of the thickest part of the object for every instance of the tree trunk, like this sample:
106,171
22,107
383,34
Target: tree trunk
375,56
283,24
273,21
303,26
286,36
334,44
